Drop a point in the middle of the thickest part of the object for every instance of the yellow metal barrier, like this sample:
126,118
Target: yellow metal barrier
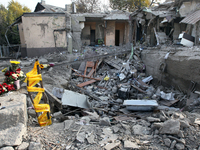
44,119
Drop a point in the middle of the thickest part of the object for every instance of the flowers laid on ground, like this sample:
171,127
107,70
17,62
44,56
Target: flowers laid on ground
6,88
14,73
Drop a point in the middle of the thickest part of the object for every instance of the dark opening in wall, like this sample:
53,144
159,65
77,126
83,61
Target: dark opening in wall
117,37
92,37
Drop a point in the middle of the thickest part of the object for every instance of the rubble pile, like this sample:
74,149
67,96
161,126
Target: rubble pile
110,103
161,130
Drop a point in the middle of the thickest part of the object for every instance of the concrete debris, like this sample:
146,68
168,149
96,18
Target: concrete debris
131,145
140,105
35,146
167,142
170,127
110,146
104,121
103,104
71,98
81,137
7,148
23,146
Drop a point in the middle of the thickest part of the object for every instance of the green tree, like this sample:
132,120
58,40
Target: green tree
7,17
130,5
88,6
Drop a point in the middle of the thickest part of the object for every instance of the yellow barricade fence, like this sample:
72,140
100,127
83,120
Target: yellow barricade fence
44,109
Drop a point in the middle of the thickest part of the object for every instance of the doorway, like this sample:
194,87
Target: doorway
92,37
117,35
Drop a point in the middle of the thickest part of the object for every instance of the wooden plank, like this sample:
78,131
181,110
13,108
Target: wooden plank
88,77
91,72
87,83
138,89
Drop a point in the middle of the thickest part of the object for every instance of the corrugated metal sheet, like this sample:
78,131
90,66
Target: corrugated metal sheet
192,18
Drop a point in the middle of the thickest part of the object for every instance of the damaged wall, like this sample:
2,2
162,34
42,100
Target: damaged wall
188,7
121,27
179,66
40,35
110,33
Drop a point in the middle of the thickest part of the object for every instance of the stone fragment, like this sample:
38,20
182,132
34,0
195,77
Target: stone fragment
115,129
110,146
184,123
167,142
180,134
173,144
16,111
68,124
170,127
104,121
114,89
180,146
157,125
152,119
81,137
140,130
35,146
119,101
90,139
7,148
12,136
131,145
23,146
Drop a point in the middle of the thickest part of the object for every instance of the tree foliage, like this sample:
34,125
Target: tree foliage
88,6
130,5
7,17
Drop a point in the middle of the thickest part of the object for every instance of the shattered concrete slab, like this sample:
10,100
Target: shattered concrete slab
71,98
12,136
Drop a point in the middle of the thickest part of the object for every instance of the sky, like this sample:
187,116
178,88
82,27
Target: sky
32,3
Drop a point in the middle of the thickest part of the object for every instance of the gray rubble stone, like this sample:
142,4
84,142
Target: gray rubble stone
167,142
26,63
162,118
129,144
90,139
35,146
180,146
180,134
157,125
119,101
173,144
81,137
68,124
184,123
170,127
114,89
140,130
115,129
15,111
104,121
12,136
23,146
43,61
7,148
152,119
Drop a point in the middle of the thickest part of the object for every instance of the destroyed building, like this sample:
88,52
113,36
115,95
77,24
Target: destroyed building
103,93
51,28
164,23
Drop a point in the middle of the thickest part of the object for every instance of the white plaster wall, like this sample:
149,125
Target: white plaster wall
21,34
38,31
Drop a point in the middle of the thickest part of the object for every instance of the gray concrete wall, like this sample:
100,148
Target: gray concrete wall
182,66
